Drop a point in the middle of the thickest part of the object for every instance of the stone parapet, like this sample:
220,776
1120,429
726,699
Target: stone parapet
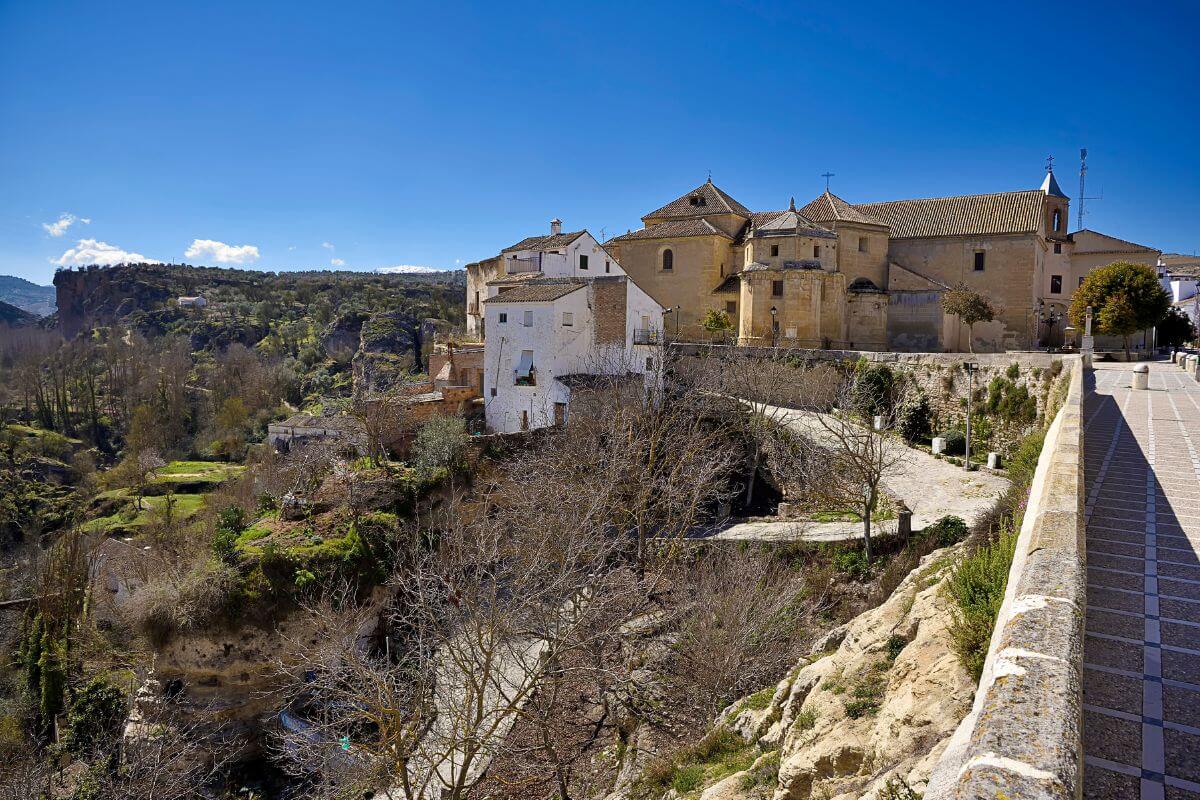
1023,736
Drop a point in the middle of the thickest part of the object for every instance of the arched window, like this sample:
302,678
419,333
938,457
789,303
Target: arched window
1057,220
668,261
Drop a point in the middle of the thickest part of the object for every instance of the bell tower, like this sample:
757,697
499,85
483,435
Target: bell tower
1056,205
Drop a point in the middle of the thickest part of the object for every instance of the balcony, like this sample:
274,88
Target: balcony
647,336
473,309
519,266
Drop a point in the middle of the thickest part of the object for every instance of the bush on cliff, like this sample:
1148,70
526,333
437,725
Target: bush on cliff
977,587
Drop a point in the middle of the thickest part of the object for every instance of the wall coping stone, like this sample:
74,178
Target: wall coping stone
1023,736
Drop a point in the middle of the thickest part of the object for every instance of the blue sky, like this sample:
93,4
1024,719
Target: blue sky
291,135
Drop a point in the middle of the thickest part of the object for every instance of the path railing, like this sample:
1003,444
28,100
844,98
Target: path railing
1023,736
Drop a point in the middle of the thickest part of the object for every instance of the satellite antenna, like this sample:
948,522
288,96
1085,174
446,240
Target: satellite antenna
1082,181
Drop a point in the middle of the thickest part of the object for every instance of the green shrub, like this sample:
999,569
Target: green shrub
956,442
898,789
806,720
1013,371
766,773
861,707
895,646
1011,402
852,563
947,531
977,588
441,443
873,389
915,420
1023,462
94,719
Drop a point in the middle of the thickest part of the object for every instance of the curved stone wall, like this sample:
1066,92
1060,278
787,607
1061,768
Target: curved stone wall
1023,736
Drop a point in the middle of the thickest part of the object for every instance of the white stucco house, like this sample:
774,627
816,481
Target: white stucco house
564,308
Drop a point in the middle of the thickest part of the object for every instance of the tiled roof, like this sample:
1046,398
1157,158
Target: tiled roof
790,223
731,284
553,241
712,201
804,263
675,228
831,208
965,215
1103,243
540,292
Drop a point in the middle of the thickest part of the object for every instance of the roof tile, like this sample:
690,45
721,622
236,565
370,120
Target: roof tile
965,215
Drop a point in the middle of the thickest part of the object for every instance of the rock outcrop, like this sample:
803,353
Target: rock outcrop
874,710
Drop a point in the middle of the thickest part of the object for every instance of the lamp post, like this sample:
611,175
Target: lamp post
774,328
1050,319
970,367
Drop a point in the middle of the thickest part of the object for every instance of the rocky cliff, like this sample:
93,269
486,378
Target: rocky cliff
867,714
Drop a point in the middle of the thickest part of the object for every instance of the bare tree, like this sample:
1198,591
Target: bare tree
849,460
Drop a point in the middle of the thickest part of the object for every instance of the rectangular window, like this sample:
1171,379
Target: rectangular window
776,288
568,319
862,244
816,251
1058,247
1056,284
979,256
731,307
528,320
607,266
583,262
1081,281
774,249
493,391
503,318
649,362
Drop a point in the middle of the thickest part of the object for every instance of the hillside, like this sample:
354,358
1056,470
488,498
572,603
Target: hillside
16,317
27,296
145,296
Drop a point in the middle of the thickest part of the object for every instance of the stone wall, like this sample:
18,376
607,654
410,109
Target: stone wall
942,379
1023,736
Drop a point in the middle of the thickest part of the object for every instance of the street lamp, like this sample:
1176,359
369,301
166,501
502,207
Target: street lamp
1050,319
970,367
774,328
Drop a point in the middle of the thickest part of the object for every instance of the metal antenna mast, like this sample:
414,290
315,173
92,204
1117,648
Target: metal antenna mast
1082,182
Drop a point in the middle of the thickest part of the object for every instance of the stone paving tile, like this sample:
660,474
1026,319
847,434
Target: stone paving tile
1118,692
1121,601
1183,754
1100,621
1170,569
1176,793
1173,588
1177,635
1096,548
1179,705
1102,784
1108,653
1111,738
1116,580
1181,667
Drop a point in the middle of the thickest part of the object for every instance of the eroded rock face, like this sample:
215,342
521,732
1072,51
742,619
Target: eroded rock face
879,708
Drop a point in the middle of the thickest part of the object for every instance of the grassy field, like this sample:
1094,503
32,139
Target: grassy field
185,485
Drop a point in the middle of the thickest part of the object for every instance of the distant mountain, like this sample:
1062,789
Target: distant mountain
408,269
27,295
15,317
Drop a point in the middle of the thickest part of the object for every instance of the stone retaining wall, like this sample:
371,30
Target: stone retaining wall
1023,736
941,378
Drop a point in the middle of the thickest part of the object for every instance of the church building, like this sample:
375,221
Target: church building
866,276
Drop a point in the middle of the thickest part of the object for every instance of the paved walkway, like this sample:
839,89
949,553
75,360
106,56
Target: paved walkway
1142,651
931,487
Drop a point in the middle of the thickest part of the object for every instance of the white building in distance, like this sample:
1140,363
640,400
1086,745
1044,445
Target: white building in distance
562,308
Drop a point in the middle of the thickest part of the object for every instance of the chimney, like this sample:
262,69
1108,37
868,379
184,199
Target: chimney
555,226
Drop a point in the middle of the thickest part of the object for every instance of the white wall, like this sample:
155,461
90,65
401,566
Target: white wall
567,263
557,350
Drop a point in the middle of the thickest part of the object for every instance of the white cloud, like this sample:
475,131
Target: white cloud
337,262
91,251
64,221
327,245
220,252
408,268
